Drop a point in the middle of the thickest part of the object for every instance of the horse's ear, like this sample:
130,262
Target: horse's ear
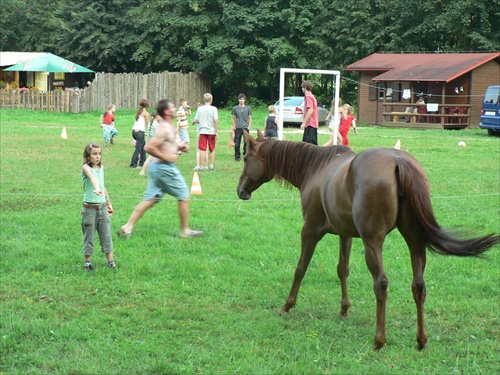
259,134
250,140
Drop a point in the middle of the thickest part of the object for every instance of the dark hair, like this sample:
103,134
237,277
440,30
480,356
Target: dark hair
143,104
86,153
307,85
163,106
242,96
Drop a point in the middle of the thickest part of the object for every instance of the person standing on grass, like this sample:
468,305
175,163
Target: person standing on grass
97,207
271,124
208,119
153,125
332,121
310,123
107,123
182,121
164,176
139,134
198,164
241,117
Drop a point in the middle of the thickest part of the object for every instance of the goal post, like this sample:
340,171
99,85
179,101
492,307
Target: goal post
283,71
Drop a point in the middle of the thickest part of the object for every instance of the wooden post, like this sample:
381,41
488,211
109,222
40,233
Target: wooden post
443,102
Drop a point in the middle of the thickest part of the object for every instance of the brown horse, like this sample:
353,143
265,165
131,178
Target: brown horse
363,195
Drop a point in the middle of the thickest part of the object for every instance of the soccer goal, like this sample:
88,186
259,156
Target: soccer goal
334,73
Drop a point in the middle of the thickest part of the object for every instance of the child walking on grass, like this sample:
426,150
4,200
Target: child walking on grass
107,123
97,207
348,120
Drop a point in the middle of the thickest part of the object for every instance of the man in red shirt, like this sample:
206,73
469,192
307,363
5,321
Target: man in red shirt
310,123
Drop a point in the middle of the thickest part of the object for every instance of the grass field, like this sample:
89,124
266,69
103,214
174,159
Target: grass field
210,305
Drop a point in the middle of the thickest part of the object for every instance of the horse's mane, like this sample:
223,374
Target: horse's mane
291,160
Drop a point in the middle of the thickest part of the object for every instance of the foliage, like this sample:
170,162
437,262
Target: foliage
45,26
99,33
10,27
242,45
209,305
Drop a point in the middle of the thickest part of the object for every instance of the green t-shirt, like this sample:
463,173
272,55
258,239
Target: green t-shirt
88,189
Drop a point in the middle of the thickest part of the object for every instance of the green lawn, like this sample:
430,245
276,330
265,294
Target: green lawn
210,305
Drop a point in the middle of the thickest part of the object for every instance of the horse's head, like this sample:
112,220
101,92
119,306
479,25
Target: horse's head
254,172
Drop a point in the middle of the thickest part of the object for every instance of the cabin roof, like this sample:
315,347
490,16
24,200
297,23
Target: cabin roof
436,67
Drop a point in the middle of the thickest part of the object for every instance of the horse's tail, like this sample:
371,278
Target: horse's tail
415,200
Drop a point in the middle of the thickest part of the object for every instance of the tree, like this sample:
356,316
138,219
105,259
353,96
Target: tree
98,34
10,27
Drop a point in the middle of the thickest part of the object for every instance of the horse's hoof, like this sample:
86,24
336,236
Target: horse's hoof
422,341
421,345
344,313
284,311
378,344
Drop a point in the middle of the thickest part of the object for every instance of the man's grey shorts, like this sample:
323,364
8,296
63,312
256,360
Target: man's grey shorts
165,178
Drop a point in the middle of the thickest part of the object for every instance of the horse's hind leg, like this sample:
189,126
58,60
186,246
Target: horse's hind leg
343,272
373,257
418,261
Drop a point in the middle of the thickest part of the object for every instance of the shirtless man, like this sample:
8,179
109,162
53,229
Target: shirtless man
164,176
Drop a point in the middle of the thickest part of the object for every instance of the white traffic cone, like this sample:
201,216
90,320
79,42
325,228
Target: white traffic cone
195,186
64,135
397,146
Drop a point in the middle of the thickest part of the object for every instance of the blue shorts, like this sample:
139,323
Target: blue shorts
108,132
165,178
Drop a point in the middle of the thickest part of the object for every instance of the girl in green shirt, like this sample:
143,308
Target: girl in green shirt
97,207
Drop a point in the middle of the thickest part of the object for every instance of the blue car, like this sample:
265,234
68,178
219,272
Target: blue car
490,111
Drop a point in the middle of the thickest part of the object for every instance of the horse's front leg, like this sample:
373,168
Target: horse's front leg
373,257
309,242
343,272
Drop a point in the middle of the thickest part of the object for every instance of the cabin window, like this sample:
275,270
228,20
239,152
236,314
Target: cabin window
391,91
384,89
396,91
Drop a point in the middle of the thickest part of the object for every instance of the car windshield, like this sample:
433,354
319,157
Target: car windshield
492,96
293,101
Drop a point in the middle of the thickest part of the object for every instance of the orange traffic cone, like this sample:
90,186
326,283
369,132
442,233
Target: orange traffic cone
397,146
64,135
196,187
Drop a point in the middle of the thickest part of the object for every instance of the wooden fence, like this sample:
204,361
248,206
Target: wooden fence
125,90
54,101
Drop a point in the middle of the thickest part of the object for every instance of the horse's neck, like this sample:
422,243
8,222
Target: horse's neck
290,164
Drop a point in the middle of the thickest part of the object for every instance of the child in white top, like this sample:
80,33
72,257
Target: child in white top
151,132
330,118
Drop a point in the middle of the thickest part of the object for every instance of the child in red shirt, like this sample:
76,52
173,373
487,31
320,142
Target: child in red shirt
346,122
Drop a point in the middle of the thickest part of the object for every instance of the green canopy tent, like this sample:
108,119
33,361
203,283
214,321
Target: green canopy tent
48,63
